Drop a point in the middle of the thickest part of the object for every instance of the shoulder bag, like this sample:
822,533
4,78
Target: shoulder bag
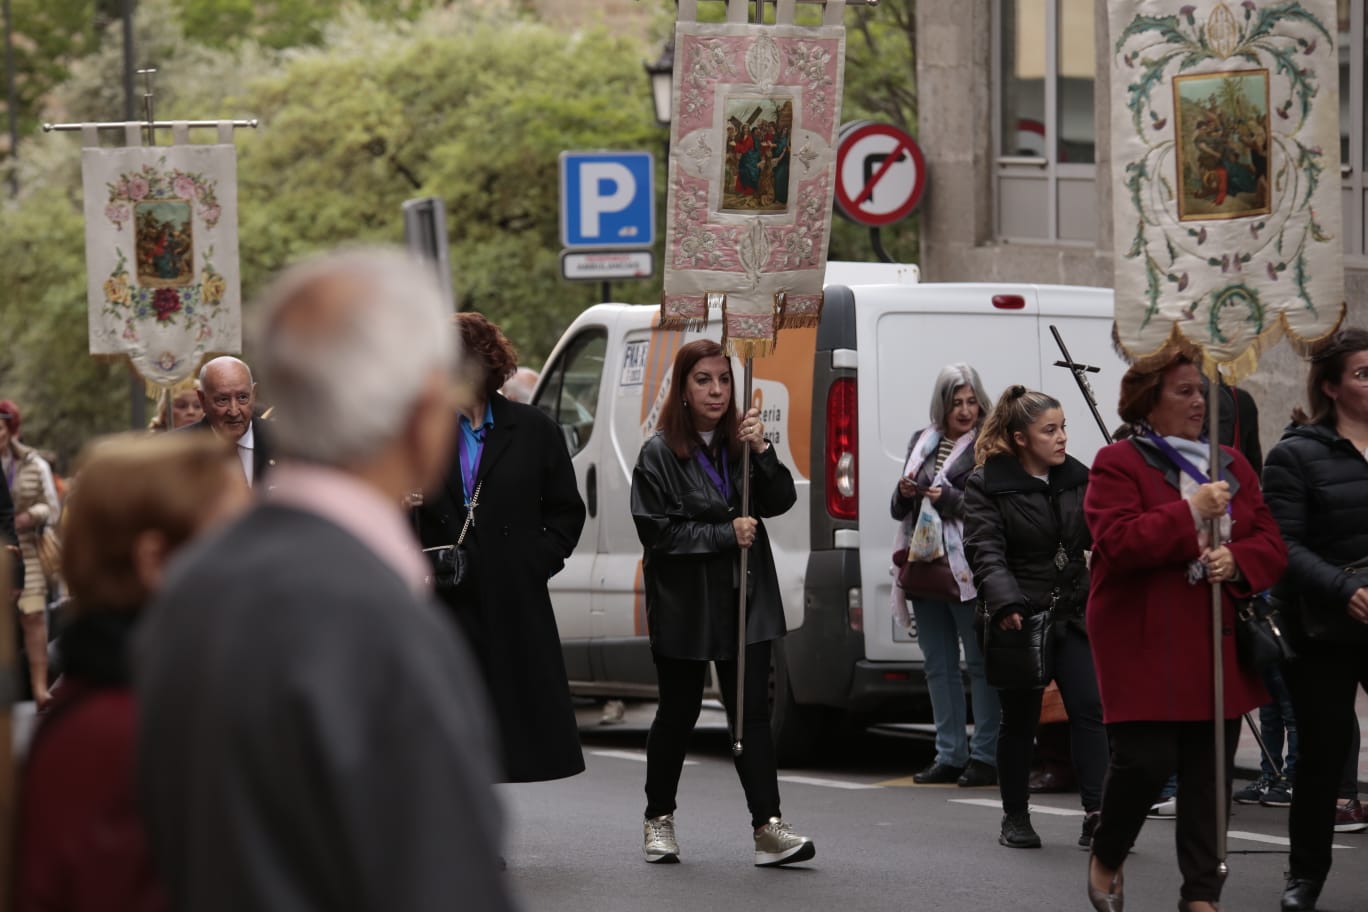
49,548
1259,641
1024,659
449,562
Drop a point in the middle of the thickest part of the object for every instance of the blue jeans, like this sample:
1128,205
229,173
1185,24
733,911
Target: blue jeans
1276,723
941,628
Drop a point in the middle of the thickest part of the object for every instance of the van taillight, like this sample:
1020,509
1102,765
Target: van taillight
842,435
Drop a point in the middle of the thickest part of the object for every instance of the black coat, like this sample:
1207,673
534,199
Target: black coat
1014,525
262,454
9,538
527,523
691,561
1316,485
950,504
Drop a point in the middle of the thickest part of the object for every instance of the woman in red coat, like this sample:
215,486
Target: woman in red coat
1150,506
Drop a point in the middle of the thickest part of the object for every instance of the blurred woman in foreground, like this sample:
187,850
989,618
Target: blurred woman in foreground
80,839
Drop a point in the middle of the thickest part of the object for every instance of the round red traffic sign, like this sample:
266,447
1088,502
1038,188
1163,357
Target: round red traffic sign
880,173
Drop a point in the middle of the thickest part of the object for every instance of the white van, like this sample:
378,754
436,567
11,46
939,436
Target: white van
839,403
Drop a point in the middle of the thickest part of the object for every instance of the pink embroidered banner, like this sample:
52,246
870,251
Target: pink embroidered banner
752,166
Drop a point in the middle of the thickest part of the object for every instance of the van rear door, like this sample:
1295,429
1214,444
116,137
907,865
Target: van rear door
905,336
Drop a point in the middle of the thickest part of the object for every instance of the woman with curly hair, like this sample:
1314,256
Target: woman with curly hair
511,471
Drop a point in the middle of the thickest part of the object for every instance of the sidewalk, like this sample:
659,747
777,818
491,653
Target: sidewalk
1247,754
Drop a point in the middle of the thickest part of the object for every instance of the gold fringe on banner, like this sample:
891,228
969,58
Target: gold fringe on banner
748,348
1236,370
798,311
679,311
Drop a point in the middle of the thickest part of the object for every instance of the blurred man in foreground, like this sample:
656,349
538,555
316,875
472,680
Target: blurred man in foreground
314,736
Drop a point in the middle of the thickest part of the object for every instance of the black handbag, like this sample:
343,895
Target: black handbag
450,562
1020,659
1259,640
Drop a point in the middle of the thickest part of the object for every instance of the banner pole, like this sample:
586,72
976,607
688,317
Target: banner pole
1217,652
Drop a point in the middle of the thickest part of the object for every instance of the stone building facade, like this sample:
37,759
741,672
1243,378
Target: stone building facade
1000,207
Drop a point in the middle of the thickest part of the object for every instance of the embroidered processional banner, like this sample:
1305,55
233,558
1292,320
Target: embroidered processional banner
752,165
162,255
1225,144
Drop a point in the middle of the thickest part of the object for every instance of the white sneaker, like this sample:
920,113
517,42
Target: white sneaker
1166,808
777,844
660,844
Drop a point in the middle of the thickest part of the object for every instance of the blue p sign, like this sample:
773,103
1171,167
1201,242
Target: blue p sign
607,199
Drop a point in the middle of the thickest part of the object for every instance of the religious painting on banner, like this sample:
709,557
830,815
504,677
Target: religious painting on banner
752,167
1225,134
162,255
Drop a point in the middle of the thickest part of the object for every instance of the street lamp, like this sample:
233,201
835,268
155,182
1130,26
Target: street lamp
661,74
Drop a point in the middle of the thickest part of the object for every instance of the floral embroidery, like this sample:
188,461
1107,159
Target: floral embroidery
154,182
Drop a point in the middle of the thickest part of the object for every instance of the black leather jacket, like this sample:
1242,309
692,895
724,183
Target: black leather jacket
691,560
1315,482
1014,525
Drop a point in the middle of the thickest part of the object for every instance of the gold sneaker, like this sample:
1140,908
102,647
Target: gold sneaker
777,844
660,845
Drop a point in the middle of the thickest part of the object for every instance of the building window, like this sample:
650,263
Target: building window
1045,135
1353,83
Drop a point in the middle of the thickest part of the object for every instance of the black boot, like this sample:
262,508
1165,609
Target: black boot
1017,832
1300,894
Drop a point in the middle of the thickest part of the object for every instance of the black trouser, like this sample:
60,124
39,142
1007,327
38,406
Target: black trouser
1143,756
1322,681
1077,680
681,697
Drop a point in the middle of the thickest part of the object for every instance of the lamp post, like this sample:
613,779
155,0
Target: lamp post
661,74
11,102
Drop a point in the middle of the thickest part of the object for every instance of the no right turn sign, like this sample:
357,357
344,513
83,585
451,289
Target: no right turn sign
880,173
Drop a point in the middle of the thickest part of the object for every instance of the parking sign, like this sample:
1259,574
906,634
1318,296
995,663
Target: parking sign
607,199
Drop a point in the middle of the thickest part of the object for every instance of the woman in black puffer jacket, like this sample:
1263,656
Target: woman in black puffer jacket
1025,536
1316,485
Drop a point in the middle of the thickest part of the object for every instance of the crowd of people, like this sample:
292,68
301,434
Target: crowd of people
1100,580
206,739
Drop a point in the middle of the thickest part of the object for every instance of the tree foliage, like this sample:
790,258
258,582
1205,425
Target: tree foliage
374,103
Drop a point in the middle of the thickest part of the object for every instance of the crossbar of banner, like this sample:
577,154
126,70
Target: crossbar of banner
156,124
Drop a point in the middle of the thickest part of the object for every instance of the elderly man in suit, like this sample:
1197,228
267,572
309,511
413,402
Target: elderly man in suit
314,734
228,395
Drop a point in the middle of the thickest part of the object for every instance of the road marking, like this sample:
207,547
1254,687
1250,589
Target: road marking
826,783
1035,808
638,756
1066,812
1271,840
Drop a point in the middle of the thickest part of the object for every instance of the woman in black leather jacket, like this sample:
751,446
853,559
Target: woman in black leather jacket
686,503
1025,536
1316,485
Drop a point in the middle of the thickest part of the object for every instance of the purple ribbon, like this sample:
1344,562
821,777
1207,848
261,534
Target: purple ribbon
723,481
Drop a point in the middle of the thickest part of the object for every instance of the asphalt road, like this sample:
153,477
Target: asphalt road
882,843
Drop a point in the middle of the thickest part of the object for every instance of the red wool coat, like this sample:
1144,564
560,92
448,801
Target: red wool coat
81,843
1149,628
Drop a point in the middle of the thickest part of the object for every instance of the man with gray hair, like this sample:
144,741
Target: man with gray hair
313,734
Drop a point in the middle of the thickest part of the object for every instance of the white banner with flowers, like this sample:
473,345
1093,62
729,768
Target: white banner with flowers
162,255
1225,143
